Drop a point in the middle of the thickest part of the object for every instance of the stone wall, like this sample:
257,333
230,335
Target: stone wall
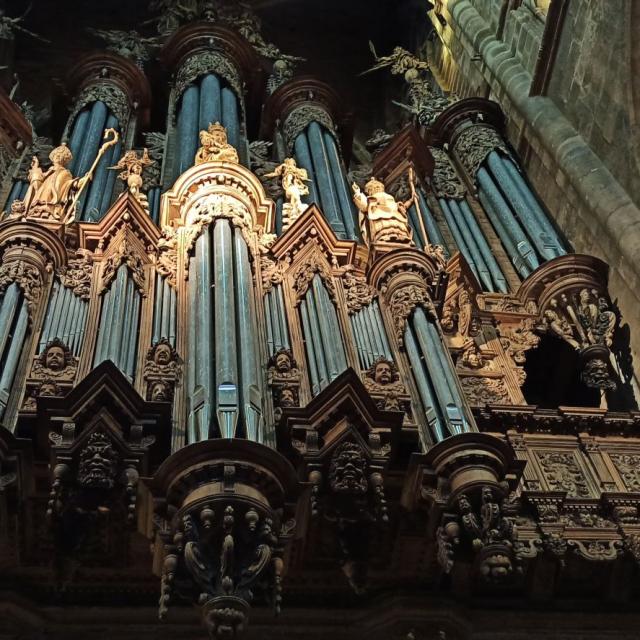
578,143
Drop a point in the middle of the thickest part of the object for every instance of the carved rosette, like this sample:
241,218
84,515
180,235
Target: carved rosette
474,143
446,182
227,526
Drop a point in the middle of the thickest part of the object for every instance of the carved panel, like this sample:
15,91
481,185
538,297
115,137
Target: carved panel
562,473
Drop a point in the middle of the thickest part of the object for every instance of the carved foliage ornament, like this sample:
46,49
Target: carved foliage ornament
562,473
167,261
628,466
125,254
76,275
300,118
402,303
27,277
304,274
474,144
358,293
208,62
446,182
114,97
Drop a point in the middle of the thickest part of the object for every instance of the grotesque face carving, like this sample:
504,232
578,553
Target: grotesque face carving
54,358
283,362
347,472
162,355
287,397
383,374
160,392
48,388
98,463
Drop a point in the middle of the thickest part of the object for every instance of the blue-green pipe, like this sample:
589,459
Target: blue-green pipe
187,130
509,221
340,186
457,236
308,342
432,416
303,158
467,232
230,117
494,268
225,330
210,101
8,309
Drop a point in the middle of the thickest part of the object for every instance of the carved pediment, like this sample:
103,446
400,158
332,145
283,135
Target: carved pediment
312,226
125,212
105,390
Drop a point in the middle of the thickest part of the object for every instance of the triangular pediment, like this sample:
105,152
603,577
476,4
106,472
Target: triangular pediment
312,227
125,211
106,392
344,409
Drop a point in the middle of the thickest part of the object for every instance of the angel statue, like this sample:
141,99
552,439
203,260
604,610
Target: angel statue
400,60
128,44
382,219
131,172
293,180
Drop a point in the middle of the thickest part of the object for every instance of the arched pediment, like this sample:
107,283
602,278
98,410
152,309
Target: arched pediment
217,179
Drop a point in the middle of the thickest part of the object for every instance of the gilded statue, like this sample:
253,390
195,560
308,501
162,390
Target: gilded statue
293,180
382,219
215,147
131,172
53,194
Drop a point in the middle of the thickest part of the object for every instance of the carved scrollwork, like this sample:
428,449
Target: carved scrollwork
446,182
484,390
167,262
628,466
597,550
562,473
474,144
516,340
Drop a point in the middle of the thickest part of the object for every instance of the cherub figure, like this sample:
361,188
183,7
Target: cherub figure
131,172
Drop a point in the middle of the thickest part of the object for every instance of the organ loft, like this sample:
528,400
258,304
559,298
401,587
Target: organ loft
319,320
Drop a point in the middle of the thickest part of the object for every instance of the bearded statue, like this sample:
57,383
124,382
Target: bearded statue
98,463
347,471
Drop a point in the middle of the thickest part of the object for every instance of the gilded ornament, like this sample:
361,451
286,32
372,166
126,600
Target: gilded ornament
382,219
131,168
293,180
214,146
